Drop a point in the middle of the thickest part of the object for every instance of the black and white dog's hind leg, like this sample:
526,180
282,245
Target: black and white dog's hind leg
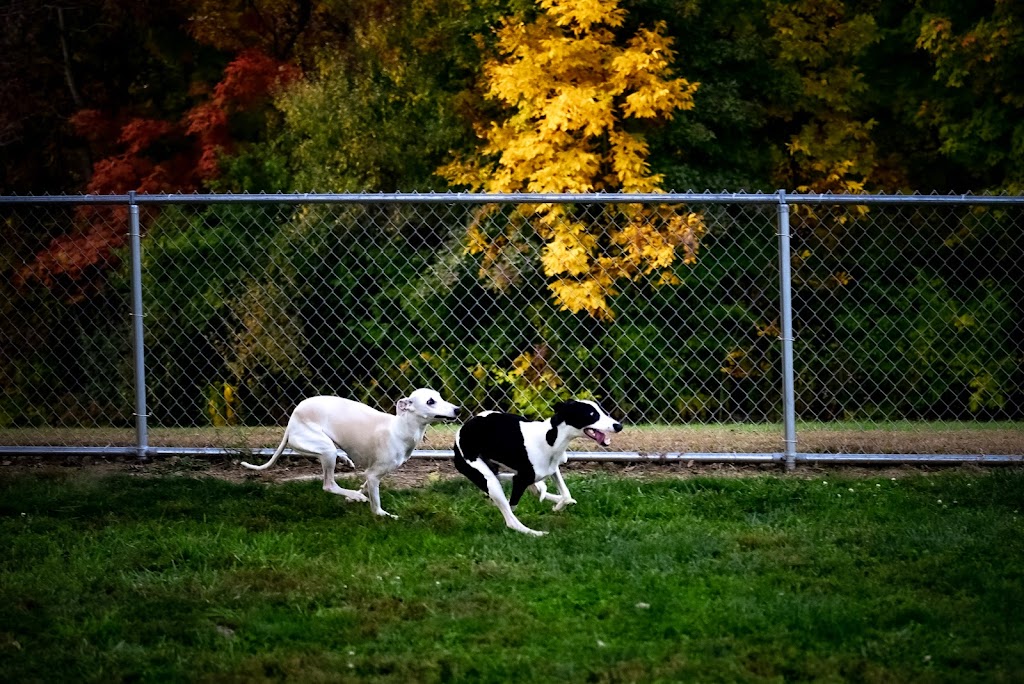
483,476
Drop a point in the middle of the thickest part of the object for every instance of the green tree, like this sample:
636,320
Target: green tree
978,114
726,141
820,43
380,105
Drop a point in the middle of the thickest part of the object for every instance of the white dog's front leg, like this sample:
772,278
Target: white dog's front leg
343,456
372,487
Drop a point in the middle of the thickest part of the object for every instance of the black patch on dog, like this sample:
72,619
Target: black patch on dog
551,435
474,475
494,438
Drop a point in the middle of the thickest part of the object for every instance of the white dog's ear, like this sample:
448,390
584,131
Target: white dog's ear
403,406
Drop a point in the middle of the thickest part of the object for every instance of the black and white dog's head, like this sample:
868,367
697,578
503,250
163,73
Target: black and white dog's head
587,418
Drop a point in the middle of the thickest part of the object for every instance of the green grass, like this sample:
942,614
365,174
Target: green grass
714,580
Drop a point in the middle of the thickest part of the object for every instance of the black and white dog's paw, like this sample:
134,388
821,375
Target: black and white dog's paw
563,501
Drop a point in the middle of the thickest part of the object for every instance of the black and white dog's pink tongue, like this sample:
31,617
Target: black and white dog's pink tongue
598,436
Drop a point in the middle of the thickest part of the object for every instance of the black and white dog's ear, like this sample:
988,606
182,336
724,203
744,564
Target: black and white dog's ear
403,406
556,420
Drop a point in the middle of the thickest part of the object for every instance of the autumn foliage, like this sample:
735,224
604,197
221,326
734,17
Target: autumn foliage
571,91
148,156
813,95
247,80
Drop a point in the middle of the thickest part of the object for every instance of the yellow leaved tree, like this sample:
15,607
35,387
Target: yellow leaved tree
574,95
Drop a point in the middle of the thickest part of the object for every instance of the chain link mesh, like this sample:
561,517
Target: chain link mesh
902,313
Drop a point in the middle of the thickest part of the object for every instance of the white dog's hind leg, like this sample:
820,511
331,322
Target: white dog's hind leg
328,461
312,440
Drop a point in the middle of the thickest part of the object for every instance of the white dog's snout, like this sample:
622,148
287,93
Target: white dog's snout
429,404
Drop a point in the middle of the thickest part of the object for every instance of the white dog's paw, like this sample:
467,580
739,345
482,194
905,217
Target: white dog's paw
350,494
384,514
563,502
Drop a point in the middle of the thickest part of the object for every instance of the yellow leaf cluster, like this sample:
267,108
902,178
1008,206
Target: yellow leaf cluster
584,295
476,241
569,252
822,40
569,88
650,244
581,15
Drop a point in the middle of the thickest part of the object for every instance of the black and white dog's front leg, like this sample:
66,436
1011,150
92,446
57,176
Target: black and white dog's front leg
562,499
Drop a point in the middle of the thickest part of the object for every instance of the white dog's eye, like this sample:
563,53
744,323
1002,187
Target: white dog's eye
430,402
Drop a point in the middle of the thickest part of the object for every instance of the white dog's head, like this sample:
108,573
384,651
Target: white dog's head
586,417
428,405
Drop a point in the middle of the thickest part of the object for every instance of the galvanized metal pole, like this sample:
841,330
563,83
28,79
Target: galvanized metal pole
138,344
786,297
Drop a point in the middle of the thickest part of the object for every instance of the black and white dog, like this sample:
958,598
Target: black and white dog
532,450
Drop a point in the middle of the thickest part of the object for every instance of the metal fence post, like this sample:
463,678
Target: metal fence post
786,297
138,344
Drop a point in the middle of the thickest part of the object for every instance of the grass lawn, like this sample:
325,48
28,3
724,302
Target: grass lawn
764,578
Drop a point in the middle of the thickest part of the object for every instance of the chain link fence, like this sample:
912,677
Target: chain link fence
907,316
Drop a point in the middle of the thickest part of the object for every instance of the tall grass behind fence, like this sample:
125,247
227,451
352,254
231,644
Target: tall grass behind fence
902,310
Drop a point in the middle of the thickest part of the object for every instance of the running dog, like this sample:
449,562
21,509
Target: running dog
365,438
532,450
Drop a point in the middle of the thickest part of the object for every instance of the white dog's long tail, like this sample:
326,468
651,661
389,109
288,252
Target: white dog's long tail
273,459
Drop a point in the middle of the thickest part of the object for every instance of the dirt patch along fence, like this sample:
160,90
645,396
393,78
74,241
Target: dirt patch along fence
128,321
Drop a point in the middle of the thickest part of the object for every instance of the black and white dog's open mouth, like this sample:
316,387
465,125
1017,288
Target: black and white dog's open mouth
598,436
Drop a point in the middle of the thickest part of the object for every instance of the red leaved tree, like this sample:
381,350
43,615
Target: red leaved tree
147,156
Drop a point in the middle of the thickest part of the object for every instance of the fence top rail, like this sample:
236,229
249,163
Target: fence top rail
758,198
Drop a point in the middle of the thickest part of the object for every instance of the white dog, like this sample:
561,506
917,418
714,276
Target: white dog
363,437
533,450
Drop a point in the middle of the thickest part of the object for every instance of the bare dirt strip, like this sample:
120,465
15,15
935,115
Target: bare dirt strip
996,439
